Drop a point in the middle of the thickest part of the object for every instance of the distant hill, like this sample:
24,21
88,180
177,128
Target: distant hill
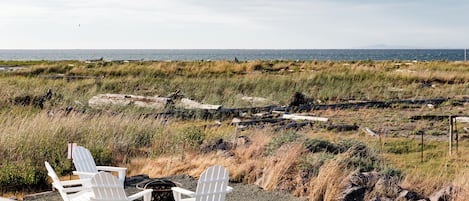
385,46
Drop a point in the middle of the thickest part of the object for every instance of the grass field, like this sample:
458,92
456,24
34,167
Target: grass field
30,135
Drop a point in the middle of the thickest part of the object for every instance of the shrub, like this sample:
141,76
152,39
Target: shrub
319,145
277,142
192,136
16,176
391,172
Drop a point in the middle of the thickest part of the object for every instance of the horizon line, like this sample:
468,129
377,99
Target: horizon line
233,48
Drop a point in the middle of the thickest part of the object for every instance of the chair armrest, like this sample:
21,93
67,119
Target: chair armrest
111,169
75,182
183,191
145,194
89,174
229,189
75,189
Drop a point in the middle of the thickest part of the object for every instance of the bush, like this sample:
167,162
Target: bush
101,156
319,145
277,142
391,172
14,177
192,136
360,157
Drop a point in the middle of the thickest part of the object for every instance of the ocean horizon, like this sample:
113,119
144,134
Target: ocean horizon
231,54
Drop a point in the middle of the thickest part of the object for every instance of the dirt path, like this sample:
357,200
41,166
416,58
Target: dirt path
241,192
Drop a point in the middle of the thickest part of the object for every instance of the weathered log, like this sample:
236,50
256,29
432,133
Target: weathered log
301,117
369,131
125,100
461,119
68,77
294,125
365,104
257,121
430,117
342,127
255,99
191,104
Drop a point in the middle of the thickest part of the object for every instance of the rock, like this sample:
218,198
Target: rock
358,184
220,144
406,195
444,194
387,186
353,194
131,181
366,179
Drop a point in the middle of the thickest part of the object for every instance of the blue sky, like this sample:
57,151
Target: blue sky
239,24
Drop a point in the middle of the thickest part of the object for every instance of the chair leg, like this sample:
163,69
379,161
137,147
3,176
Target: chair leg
177,196
121,176
147,197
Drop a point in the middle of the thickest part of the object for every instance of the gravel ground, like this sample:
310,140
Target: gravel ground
241,192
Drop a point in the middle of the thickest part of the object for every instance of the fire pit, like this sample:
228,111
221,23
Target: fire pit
161,189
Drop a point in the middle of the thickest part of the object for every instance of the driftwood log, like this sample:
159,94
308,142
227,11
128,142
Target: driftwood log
69,77
302,117
457,118
126,100
191,104
365,104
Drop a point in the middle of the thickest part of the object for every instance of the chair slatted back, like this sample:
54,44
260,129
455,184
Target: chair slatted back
83,161
212,184
56,181
107,187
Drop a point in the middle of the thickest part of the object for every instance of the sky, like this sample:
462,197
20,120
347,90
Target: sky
233,24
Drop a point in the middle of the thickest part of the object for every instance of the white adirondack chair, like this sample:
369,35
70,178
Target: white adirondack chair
70,190
86,167
212,186
106,187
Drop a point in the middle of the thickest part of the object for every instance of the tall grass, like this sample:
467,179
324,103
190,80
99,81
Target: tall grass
218,82
162,147
28,139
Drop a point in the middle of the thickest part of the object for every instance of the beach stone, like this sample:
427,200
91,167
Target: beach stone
219,144
406,195
353,194
444,194
387,186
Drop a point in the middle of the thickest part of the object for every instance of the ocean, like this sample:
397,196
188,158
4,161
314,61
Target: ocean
240,54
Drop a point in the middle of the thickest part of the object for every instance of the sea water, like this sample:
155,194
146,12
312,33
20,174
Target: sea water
240,54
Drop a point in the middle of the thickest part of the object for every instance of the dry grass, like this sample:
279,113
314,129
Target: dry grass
327,185
159,147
